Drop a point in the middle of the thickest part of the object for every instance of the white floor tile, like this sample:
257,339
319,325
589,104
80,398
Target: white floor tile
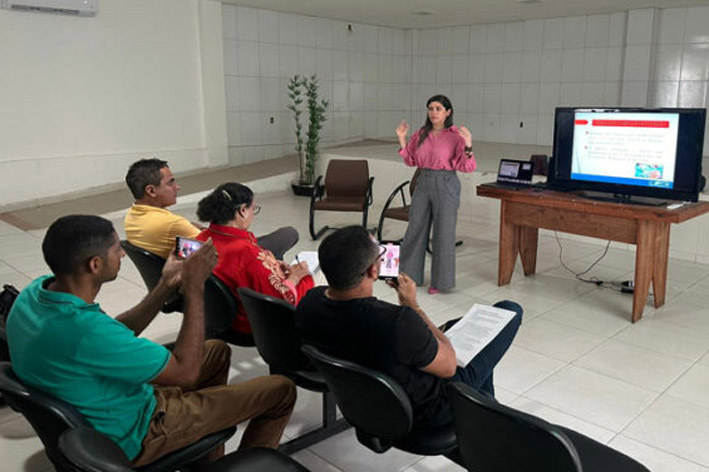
635,365
603,401
555,340
344,452
651,333
676,427
520,369
600,312
692,386
654,459
684,315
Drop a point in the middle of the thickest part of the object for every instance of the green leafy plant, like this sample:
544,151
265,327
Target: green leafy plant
306,89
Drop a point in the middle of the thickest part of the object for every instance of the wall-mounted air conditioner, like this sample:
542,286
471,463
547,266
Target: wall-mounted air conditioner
64,7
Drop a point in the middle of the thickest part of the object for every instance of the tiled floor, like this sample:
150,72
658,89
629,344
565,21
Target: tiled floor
577,360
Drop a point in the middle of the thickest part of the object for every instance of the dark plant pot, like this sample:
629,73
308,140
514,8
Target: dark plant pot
302,190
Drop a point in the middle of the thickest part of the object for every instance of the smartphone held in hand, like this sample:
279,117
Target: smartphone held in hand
186,246
389,267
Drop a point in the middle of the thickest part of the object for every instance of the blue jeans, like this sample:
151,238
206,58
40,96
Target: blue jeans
478,372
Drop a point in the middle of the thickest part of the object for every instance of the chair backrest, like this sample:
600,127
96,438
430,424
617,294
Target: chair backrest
371,401
347,178
220,306
148,264
90,451
414,181
494,437
48,415
273,325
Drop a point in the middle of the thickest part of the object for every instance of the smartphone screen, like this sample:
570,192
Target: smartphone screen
186,246
389,268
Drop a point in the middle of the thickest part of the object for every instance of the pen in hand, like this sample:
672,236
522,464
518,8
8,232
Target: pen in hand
296,259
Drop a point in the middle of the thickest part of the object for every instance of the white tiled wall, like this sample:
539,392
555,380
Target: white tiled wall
364,74
681,68
504,79
518,72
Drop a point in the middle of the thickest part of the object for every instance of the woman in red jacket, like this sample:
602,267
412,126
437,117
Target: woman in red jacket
230,209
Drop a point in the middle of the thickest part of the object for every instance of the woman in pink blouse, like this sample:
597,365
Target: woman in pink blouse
440,149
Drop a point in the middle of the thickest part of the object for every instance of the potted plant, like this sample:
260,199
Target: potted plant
302,89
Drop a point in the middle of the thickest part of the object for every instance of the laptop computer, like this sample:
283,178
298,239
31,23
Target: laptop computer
514,174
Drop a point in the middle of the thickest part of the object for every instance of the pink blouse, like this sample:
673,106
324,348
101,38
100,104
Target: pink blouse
443,151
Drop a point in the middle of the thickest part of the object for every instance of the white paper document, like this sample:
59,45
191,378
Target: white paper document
476,329
311,257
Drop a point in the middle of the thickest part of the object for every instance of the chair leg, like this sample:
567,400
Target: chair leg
379,227
311,226
331,426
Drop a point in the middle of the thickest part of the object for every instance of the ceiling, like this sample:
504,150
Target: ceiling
436,13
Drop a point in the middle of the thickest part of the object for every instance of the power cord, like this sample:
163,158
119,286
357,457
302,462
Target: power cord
626,286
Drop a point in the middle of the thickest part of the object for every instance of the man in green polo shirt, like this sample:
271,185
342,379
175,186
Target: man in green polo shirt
147,399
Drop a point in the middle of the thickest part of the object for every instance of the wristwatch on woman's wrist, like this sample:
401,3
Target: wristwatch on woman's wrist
469,150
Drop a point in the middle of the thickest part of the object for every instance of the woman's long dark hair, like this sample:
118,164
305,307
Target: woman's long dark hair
219,207
428,126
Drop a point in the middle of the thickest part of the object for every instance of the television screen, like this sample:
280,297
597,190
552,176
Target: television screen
623,151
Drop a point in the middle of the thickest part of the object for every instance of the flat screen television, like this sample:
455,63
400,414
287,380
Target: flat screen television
625,153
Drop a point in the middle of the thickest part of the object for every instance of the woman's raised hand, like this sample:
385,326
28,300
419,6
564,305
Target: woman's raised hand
402,129
466,135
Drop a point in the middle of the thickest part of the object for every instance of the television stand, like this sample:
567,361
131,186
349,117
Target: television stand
621,198
524,212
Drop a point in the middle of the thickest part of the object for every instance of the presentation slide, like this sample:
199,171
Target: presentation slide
625,148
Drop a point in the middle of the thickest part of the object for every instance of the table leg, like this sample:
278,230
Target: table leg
528,238
659,272
509,234
644,261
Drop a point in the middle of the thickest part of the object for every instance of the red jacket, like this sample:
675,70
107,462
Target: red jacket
242,263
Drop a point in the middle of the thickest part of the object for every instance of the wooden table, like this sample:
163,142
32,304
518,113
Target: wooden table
523,212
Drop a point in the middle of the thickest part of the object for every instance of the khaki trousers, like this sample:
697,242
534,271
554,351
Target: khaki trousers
185,415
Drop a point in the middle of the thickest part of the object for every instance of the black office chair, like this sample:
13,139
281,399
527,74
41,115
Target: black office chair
50,417
220,307
493,437
348,187
90,451
380,410
275,335
149,266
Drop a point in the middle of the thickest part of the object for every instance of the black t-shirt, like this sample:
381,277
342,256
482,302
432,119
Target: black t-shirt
380,335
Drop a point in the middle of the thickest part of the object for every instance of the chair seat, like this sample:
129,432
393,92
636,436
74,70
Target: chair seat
440,440
340,204
398,213
311,380
256,460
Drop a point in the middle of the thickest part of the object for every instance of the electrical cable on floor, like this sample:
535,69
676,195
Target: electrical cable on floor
623,287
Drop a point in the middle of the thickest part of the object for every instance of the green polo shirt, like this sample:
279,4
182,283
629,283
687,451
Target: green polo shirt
74,351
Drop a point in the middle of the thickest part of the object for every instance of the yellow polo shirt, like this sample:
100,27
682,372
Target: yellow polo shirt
154,229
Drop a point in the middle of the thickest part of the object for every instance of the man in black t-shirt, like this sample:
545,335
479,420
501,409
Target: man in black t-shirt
347,321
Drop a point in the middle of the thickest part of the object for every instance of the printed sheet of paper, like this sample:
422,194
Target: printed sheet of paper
476,329
311,257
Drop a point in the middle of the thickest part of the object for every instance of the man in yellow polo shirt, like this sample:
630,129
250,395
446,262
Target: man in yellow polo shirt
151,226
148,223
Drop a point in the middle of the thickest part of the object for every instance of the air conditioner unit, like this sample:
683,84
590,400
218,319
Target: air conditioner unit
64,7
